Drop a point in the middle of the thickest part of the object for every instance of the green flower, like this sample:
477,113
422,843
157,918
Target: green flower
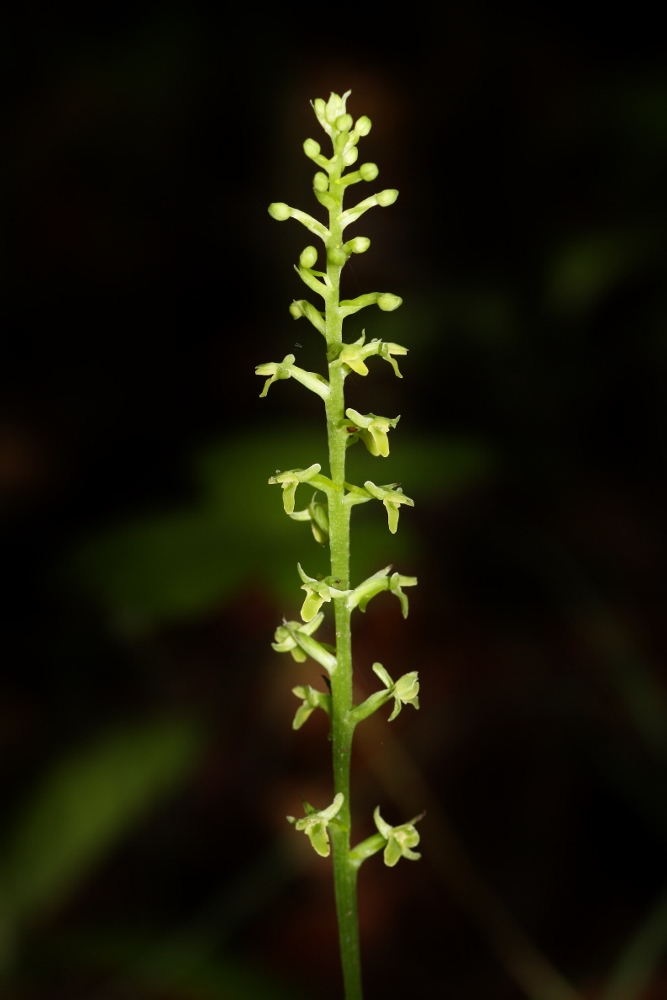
317,592
287,369
404,691
392,497
400,839
375,584
312,699
354,355
373,430
314,824
290,480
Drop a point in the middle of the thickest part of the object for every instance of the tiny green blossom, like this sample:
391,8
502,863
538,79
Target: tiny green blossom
400,839
317,592
375,584
354,355
297,638
373,430
290,480
287,369
314,824
392,497
404,691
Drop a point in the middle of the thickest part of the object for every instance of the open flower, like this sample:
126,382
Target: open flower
314,824
400,839
373,430
404,691
317,592
392,497
354,355
290,480
375,584
286,368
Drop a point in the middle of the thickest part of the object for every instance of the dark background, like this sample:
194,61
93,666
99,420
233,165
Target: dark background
147,755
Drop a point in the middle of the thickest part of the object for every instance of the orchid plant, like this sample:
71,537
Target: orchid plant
329,828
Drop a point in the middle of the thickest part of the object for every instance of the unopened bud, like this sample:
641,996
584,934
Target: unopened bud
344,123
279,210
387,197
362,125
320,181
388,302
359,244
336,257
368,171
311,148
308,257
350,156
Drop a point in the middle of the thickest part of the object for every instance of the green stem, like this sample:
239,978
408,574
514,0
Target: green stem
345,872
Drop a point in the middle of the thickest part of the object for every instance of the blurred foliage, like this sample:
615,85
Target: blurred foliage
188,561
83,805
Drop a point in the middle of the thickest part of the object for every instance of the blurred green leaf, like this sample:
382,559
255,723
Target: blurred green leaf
586,269
85,804
184,562
182,967
641,956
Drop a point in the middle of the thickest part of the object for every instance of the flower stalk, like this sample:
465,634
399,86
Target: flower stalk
329,514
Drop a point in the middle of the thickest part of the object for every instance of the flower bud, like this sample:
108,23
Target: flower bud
308,257
350,156
311,148
321,181
368,171
344,123
359,244
388,302
336,257
362,125
387,197
279,210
